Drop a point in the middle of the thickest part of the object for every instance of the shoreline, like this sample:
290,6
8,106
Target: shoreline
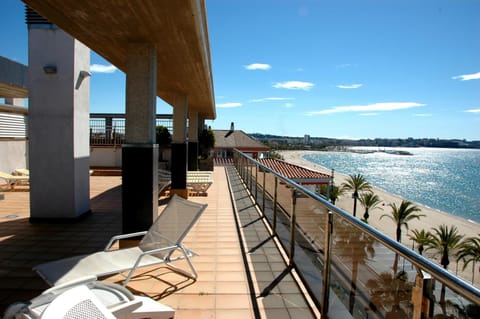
433,218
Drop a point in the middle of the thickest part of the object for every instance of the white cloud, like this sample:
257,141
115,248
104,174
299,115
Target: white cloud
370,114
99,68
294,85
473,111
423,115
258,66
467,77
376,107
289,105
266,99
350,86
229,105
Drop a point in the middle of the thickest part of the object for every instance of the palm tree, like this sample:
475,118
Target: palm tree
335,193
369,201
356,183
445,241
470,252
403,214
422,238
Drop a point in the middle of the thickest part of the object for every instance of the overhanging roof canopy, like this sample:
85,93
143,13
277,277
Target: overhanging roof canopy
177,28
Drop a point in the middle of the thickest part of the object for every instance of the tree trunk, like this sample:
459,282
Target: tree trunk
355,195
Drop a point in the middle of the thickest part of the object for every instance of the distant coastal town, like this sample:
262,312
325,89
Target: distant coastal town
323,143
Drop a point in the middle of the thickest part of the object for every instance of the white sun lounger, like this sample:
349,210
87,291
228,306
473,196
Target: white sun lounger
94,297
13,180
161,244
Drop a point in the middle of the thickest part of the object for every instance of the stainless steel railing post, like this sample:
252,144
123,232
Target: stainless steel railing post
326,264
275,194
263,194
292,228
256,184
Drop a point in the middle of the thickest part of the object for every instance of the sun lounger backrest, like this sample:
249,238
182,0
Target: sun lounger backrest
173,224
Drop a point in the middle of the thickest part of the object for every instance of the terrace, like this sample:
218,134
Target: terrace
224,288
268,248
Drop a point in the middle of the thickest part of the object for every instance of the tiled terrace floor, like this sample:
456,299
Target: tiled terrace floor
229,283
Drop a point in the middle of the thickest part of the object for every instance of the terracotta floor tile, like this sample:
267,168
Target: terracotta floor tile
197,301
233,302
234,314
195,314
230,276
228,287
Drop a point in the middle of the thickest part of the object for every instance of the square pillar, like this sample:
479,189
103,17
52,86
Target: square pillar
58,125
140,153
193,141
179,147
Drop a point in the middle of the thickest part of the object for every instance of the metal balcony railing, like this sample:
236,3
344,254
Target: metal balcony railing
350,269
109,129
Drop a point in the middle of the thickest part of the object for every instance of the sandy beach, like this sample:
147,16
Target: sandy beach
432,219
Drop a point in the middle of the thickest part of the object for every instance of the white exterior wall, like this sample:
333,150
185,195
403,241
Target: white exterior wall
105,157
13,155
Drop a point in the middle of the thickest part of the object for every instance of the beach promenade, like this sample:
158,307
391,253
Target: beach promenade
432,219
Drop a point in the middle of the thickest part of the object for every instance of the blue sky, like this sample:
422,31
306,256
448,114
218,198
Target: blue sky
345,69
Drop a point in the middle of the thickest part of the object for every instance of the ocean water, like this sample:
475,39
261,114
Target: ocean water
443,179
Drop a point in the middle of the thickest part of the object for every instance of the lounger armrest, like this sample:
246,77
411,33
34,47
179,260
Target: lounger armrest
125,309
76,282
123,236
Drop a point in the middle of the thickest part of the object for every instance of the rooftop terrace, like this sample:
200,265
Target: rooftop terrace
230,280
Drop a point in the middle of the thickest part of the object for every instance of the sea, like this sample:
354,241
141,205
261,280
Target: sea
444,179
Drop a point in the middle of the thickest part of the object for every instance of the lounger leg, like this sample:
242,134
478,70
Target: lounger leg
193,274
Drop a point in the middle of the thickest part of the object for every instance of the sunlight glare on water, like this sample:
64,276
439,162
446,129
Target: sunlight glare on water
444,179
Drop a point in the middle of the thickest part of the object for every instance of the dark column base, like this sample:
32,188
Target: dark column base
192,156
139,186
179,166
59,220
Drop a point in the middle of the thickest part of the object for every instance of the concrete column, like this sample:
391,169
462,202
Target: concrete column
193,141
179,146
58,124
140,153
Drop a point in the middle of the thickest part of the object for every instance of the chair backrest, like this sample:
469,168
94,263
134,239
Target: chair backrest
173,224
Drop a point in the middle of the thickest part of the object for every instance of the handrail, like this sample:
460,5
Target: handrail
455,283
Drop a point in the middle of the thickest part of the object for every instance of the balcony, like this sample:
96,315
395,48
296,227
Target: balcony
268,248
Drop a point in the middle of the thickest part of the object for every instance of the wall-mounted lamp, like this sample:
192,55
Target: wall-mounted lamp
84,74
50,69
81,76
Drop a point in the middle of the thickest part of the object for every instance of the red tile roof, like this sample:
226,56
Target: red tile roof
239,140
299,174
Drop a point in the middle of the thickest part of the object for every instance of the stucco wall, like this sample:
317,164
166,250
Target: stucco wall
105,157
112,157
13,155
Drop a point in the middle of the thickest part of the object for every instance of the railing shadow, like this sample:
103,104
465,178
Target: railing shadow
276,288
